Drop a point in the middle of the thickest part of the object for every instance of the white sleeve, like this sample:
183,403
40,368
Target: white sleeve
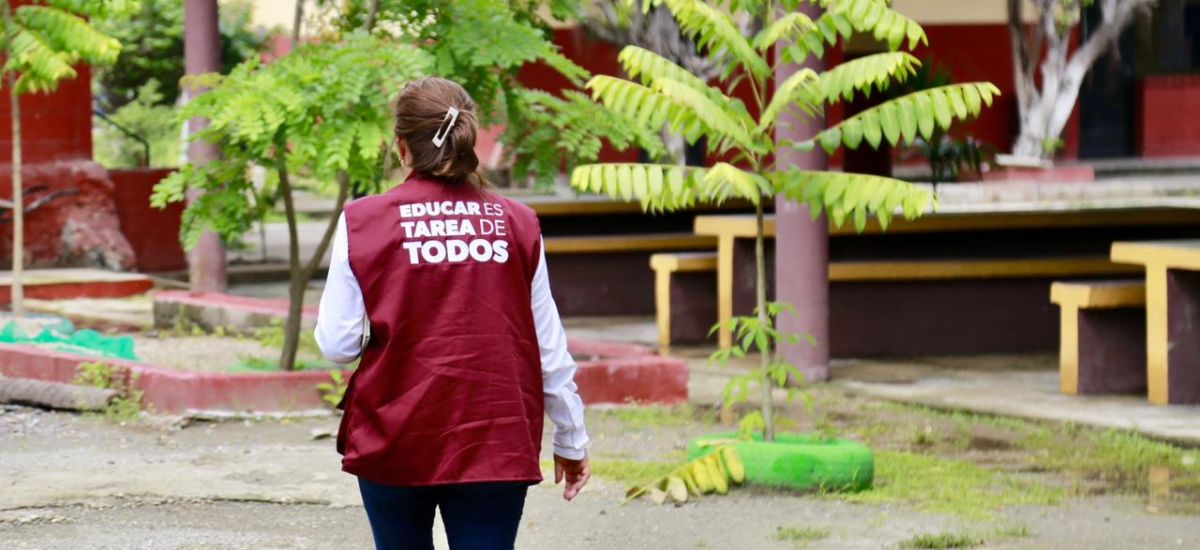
342,315
563,404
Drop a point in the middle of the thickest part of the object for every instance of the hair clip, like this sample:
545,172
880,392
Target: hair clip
444,130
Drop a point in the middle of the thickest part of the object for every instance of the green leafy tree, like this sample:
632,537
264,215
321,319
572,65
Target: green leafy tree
147,118
322,111
152,39
1050,61
660,93
42,45
483,44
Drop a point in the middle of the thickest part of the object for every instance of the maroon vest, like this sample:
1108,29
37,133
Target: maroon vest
449,389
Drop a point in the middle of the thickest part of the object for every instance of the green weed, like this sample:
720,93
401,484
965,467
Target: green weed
948,486
1120,458
659,416
1112,455
632,472
127,407
940,541
800,536
272,336
332,392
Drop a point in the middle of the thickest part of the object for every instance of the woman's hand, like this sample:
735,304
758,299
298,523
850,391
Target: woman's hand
576,472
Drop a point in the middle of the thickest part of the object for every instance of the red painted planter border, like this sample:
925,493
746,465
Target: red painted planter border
89,289
173,391
641,378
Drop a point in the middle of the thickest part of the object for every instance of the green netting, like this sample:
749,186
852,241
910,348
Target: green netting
60,335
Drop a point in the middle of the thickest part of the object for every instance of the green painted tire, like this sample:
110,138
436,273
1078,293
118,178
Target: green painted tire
801,462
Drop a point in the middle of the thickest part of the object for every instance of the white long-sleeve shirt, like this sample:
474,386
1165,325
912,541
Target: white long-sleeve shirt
342,329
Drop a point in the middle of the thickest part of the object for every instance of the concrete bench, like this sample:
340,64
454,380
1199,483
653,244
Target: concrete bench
1102,336
900,307
677,278
1172,274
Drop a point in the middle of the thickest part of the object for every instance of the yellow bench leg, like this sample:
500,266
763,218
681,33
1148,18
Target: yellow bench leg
725,290
1157,339
1068,351
662,306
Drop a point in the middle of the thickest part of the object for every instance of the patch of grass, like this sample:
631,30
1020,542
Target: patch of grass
630,472
1120,458
126,408
659,416
940,541
259,364
948,486
1112,455
800,536
1012,531
272,337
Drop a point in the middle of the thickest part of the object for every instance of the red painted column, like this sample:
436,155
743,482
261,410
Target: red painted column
202,54
802,244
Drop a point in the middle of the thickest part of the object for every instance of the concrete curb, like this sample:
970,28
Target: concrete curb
617,374
172,391
215,309
47,288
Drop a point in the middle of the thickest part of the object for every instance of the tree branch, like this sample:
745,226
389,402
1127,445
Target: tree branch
343,180
1116,16
297,23
372,15
285,189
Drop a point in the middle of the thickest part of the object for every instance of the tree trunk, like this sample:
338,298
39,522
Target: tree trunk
372,15
299,276
17,285
291,329
760,300
18,199
297,24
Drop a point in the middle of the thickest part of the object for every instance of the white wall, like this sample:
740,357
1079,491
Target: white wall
957,12
273,13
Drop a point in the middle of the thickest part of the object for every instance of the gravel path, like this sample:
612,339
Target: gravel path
70,481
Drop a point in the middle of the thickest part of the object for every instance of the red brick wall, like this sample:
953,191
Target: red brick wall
1169,121
153,233
56,126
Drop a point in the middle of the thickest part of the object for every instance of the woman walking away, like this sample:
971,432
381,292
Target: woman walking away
440,286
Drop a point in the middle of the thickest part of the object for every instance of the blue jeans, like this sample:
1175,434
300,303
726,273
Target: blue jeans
477,516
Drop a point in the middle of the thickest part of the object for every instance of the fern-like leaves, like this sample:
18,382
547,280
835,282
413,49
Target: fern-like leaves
800,90
863,74
714,30
647,66
844,18
48,41
856,196
906,117
725,181
690,112
788,27
658,187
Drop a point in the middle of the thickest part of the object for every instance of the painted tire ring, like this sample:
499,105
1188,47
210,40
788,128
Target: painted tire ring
800,462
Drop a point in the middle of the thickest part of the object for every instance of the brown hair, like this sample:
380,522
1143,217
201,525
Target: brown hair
421,113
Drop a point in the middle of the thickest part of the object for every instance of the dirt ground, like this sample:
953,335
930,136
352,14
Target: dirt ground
206,353
72,481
